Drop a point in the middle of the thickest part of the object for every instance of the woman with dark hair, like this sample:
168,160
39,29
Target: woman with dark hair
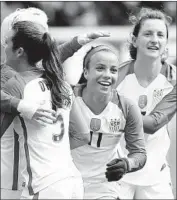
149,81
10,162
48,170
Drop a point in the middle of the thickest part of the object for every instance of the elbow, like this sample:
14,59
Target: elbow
150,130
154,122
143,161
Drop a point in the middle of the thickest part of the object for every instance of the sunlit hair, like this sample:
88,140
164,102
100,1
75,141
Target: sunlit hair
26,14
38,45
144,14
88,56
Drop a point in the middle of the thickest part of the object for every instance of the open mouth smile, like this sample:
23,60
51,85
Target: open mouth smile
153,48
105,83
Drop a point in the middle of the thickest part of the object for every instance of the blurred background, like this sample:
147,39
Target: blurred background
68,19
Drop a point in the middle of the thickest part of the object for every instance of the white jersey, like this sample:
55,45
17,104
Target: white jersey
105,130
158,143
45,150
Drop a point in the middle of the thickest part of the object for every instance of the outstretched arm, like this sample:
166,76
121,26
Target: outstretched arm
166,108
162,113
69,48
11,105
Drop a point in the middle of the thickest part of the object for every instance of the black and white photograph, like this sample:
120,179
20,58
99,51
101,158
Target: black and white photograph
88,100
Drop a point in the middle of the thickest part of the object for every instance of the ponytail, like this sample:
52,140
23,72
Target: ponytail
40,46
54,73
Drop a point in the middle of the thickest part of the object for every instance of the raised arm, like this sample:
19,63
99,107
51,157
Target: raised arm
166,108
67,49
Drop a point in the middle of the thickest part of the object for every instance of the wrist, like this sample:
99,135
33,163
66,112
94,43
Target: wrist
81,39
128,168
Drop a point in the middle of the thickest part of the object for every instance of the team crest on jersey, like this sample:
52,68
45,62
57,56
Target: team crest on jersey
158,93
114,125
95,124
142,102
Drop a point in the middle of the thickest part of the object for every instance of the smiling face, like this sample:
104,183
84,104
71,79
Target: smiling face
152,38
102,72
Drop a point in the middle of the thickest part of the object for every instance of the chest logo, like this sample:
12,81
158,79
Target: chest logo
95,124
158,93
114,125
142,102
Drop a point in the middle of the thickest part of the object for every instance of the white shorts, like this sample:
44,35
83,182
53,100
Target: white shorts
69,188
10,194
161,190
104,190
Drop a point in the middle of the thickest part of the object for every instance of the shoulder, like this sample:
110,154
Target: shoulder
125,69
169,71
6,73
77,90
124,103
126,63
130,109
13,86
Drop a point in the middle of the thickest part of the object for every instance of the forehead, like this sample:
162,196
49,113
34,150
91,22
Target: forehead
104,57
153,24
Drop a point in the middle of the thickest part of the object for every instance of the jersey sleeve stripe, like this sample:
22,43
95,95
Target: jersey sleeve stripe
31,192
16,162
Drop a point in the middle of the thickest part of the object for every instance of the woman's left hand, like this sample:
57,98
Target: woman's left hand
86,38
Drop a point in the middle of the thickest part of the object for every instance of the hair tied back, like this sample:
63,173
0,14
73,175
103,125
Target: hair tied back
47,43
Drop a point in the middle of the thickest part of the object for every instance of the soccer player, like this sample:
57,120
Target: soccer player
99,118
147,80
48,169
10,163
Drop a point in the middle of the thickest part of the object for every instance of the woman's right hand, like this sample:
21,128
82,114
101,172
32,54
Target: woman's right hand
44,116
36,112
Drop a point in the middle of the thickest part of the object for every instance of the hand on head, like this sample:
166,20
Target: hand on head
86,38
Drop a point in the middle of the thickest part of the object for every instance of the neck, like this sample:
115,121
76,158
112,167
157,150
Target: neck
23,66
96,102
147,68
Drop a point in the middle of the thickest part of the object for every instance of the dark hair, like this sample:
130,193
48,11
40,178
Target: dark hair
146,13
38,45
88,56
